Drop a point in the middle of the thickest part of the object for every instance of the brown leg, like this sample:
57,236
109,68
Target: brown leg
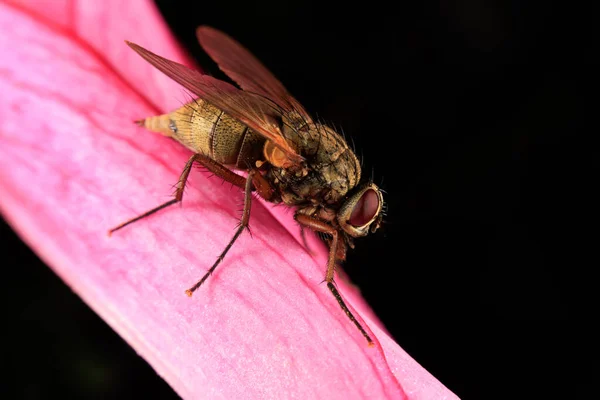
321,226
243,224
210,164
305,242
262,186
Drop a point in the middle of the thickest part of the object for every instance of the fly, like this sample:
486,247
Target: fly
261,129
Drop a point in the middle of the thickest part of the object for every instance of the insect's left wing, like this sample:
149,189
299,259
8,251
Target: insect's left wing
249,109
245,69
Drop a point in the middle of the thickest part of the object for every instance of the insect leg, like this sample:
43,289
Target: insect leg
321,226
243,224
305,242
262,186
210,164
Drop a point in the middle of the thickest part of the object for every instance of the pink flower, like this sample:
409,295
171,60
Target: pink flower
72,165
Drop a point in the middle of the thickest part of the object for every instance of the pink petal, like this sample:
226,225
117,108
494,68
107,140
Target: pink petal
103,27
73,165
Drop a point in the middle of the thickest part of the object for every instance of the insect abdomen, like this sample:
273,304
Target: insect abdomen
205,129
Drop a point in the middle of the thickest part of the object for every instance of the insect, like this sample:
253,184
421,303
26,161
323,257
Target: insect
261,129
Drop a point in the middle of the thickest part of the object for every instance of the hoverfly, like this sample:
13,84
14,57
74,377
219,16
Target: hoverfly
262,130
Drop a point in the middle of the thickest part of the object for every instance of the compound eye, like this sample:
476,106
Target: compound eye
365,210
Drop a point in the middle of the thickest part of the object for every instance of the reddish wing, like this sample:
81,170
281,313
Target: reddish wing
241,66
249,109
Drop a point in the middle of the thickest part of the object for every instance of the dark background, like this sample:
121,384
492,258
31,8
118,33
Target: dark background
474,115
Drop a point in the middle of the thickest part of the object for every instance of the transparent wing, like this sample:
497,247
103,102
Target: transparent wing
249,109
243,68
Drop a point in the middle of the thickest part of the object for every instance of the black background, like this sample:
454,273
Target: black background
475,115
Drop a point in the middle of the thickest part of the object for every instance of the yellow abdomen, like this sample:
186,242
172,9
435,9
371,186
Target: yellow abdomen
205,129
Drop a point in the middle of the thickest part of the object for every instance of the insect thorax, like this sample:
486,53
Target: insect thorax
332,167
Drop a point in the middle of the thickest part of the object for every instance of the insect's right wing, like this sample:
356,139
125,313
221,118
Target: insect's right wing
241,66
249,109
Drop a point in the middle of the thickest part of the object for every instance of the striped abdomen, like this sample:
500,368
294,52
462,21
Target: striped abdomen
205,129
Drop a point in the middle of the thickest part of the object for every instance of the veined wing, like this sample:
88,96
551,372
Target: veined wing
243,68
249,109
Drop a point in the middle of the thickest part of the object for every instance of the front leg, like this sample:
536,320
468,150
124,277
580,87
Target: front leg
322,226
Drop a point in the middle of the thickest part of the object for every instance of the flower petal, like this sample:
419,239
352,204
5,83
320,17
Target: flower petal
103,28
72,165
